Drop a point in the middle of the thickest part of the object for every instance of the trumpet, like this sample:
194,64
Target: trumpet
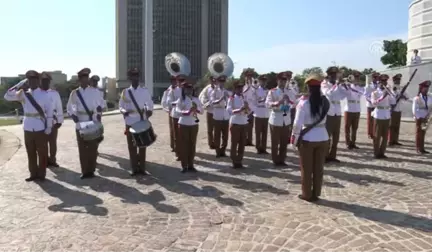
194,105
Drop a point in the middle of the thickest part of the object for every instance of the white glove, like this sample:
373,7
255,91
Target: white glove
48,131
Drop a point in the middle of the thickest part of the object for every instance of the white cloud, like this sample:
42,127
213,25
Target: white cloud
357,53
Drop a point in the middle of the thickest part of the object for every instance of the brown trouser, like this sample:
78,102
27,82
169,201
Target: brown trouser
238,142
87,154
333,125
249,129
171,130
261,129
420,134
380,133
187,144
292,115
221,129
394,127
370,122
36,143
210,129
312,158
279,142
175,126
351,126
137,156
52,142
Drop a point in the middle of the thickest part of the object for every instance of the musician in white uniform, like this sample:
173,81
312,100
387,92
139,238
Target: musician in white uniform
335,92
294,91
188,107
280,120
81,98
204,98
173,96
310,125
131,97
167,108
382,100
37,122
238,108
372,87
58,117
261,114
249,94
396,113
94,81
422,105
352,110
219,97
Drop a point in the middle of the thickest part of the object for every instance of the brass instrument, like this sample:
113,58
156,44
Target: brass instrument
220,64
194,105
177,64
247,110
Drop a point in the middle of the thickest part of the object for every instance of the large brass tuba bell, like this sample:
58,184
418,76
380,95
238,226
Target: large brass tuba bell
177,64
220,64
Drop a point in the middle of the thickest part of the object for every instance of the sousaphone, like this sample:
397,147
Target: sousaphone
220,64
177,64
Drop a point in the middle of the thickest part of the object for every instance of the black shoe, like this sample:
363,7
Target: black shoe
183,170
250,144
315,198
350,147
264,152
87,176
383,156
212,147
281,164
223,154
332,160
398,144
302,198
30,179
192,169
41,179
356,147
54,165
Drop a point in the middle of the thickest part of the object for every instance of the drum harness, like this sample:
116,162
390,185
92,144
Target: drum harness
140,112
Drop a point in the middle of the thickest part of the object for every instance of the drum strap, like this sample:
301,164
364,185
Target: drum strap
141,112
89,113
38,108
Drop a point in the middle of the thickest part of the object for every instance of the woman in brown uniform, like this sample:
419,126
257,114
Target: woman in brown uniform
310,135
188,106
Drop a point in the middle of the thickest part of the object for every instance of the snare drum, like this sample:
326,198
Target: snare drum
142,134
91,130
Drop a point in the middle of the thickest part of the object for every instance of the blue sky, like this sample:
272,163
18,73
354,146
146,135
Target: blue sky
269,35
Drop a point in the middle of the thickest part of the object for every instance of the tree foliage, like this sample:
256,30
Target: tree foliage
6,106
396,52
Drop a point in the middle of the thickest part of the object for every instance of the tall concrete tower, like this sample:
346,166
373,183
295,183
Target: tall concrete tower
420,29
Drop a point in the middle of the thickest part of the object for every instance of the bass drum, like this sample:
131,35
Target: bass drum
142,134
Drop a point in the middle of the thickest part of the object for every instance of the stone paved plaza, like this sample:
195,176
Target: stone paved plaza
367,205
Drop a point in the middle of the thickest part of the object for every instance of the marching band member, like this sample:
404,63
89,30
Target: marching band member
80,98
141,96
335,91
310,119
352,110
249,94
370,107
421,108
57,117
167,108
94,80
261,115
382,100
239,110
396,113
218,98
188,106
173,96
204,97
37,122
294,92
279,103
